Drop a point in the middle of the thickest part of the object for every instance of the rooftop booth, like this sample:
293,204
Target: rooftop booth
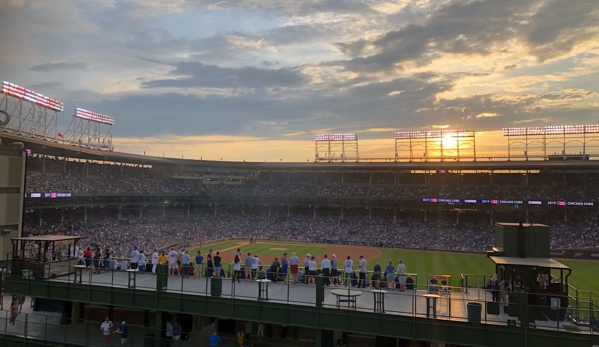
43,257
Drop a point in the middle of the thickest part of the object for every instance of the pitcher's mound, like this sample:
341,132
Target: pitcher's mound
277,249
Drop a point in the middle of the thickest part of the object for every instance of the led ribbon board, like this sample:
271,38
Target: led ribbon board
94,117
336,137
23,93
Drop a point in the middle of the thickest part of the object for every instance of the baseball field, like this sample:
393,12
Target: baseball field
421,262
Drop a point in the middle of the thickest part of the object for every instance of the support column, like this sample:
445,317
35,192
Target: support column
44,164
158,329
565,215
140,211
370,210
243,210
163,211
341,212
75,312
215,210
87,169
457,218
527,213
188,210
491,218
85,214
425,212
120,212
269,210
314,212
318,338
288,210
41,220
62,214
64,166
394,214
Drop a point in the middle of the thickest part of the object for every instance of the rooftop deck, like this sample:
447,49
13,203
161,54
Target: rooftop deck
452,304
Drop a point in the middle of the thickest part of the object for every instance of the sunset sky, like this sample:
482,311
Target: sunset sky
256,79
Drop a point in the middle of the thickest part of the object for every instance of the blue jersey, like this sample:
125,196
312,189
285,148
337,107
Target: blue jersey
214,340
124,331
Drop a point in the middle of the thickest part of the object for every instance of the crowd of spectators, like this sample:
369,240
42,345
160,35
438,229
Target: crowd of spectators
52,175
472,233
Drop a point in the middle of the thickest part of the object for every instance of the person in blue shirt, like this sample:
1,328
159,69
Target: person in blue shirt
214,340
124,333
198,266
390,275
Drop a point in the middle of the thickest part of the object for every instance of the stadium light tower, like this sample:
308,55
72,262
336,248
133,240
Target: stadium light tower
28,113
326,144
435,145
535,141
90,129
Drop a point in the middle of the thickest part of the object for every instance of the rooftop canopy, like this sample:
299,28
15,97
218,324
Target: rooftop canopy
530,262
47,238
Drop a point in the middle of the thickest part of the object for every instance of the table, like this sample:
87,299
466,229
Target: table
346,295
132,274
79,272
431,298
263,289
379,300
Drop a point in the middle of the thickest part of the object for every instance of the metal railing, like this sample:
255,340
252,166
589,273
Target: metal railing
441,301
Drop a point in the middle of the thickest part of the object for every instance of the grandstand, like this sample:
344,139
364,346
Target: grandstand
121,200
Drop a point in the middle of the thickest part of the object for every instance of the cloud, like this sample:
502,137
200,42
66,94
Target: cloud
558,27
53,67
267,63
352,49
50,86
549,29
200,75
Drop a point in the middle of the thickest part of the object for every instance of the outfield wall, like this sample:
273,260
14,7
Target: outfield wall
582,254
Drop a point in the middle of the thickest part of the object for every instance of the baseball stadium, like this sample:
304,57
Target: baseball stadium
444,249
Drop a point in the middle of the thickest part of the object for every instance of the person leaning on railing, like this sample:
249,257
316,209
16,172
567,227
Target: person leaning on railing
376,276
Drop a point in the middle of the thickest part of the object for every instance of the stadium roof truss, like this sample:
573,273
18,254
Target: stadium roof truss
435,145
539,142
327,146
28,113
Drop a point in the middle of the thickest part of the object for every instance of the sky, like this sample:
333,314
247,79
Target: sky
257,79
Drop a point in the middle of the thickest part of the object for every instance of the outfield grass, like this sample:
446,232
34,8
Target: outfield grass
423,263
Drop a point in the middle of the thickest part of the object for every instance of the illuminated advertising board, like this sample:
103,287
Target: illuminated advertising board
336,137
94,117
23,93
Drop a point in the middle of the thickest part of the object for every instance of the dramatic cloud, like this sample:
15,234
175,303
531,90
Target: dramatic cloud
548,28
283,70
